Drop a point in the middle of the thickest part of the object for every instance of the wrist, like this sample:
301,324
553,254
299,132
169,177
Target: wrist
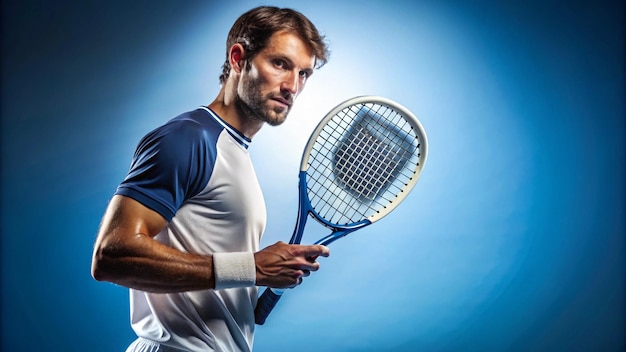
234,269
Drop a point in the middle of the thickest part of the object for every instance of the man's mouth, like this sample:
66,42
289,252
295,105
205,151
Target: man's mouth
283,101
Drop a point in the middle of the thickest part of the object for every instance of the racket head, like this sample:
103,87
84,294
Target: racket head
361,161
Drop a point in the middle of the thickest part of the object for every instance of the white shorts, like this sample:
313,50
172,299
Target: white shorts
145,345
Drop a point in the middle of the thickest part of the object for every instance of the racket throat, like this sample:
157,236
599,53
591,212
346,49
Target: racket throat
342,232
332,238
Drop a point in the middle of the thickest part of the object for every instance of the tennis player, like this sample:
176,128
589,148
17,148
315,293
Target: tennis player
183,228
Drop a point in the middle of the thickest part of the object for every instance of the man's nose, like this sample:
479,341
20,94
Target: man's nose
291,83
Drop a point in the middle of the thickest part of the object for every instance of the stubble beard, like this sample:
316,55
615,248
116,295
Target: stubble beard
255,106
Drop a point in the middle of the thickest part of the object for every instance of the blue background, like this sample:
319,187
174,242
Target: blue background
512,240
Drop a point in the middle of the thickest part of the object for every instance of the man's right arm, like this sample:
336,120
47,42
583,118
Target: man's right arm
127,254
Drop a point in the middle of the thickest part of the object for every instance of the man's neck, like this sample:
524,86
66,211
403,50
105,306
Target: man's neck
224,106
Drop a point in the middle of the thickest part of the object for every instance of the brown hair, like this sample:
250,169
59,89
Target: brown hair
255,27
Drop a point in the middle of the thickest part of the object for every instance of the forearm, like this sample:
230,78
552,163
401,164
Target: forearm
145,264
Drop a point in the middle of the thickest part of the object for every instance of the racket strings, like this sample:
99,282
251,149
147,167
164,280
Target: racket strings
381,157
376,160
362,159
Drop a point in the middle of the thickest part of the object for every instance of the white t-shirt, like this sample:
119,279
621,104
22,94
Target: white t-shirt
196,172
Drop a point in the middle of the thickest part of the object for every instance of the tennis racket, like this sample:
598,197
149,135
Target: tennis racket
360,163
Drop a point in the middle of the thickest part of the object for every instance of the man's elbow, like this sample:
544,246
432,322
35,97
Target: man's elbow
97,271
100,266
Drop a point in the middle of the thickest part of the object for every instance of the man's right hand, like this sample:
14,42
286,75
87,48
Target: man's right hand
283,265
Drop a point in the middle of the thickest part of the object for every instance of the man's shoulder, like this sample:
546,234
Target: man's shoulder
198,118
192,125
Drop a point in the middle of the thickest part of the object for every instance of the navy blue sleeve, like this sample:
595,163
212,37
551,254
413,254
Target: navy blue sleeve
171,164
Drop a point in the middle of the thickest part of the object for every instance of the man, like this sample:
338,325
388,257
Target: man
183,229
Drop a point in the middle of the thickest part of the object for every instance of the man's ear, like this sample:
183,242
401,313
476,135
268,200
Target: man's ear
236,57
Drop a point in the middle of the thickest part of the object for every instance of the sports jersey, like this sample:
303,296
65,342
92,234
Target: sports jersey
196,172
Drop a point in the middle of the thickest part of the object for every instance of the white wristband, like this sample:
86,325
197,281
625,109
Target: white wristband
236,269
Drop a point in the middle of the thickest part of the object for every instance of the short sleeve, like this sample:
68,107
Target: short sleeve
171,164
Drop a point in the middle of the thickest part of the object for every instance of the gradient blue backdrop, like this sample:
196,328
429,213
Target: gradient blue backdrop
512,240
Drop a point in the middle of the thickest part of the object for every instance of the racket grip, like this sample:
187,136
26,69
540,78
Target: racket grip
265,304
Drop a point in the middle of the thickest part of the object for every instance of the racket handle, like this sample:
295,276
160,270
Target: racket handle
265,304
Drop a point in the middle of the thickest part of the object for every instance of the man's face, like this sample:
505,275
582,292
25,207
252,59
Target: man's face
271,81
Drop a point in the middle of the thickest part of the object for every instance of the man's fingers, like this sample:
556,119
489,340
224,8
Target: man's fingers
310,254
285,265
306,266
314,251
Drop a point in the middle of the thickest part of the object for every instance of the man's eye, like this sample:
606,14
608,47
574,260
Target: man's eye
279,63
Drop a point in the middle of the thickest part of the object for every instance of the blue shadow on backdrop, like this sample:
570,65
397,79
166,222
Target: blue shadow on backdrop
512,240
